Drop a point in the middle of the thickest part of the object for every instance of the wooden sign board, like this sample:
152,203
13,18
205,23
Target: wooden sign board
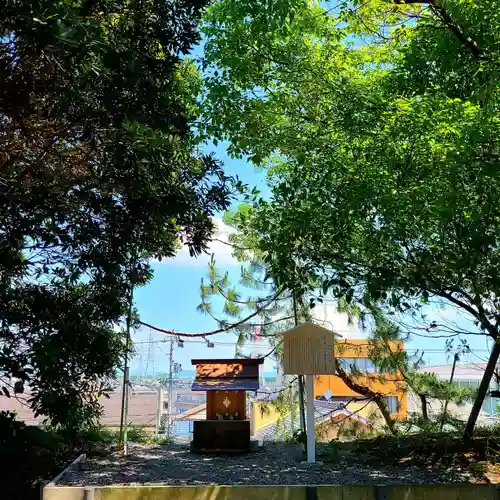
308,349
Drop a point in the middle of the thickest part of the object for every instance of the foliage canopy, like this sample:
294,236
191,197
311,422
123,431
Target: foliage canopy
379,124
99,172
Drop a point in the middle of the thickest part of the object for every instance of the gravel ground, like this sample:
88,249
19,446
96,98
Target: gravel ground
274,464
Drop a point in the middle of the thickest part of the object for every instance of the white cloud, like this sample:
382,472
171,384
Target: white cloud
218,246
327,315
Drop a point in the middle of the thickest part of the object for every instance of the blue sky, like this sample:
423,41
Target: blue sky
170,299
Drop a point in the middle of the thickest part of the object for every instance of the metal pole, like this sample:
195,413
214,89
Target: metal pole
301,403
170,369
443,417
125,415
311,439
124,408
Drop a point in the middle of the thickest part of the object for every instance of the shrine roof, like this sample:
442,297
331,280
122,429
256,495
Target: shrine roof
234,361
240,374
225,384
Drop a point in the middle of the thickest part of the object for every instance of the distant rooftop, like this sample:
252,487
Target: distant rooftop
323,410
471,371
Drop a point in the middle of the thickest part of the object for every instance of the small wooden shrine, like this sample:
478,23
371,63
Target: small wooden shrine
226,428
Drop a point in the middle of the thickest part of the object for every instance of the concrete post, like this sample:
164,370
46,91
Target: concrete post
88,494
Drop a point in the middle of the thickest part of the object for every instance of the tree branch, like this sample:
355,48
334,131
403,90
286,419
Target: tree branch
457,31
441,12
484,322
339,422
367,392
206,334
244,302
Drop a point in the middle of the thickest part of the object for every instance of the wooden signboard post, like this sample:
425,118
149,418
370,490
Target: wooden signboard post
308,349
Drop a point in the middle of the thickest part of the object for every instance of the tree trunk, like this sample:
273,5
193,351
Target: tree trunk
366,391
445,409
302,412
425,411
481,392
386,414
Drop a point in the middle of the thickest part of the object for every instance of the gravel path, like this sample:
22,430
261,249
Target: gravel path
275,464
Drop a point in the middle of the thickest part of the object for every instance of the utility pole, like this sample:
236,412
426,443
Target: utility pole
122,441
126,384
170,375
150,360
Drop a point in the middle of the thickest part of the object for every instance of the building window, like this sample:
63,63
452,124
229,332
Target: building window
392,403
347,363
360,364
363,365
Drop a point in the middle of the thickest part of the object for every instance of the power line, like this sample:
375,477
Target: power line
201,342
178,334
262,346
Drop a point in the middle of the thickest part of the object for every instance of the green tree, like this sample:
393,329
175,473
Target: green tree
265,309
378,122
407,367
272,312
99,173
385,349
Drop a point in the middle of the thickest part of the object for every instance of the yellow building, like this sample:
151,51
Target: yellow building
355,353
340,411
